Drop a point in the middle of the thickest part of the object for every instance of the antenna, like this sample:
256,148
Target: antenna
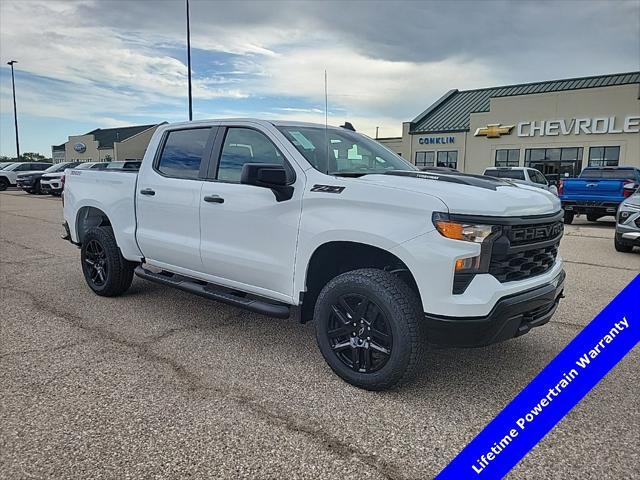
326,118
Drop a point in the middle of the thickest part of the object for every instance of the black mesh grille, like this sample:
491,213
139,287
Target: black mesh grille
523,264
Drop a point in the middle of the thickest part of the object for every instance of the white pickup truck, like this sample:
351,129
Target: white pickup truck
278,217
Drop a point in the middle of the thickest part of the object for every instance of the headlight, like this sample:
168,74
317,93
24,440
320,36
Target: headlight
468,232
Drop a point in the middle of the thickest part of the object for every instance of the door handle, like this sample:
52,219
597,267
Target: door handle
213,199
147,191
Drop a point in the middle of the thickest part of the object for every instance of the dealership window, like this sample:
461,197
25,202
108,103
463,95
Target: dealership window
566,154
425,159
448,159
604,156
508,157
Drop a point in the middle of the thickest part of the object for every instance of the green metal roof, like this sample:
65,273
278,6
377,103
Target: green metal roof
451,113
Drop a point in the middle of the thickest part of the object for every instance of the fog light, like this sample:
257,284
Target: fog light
469,264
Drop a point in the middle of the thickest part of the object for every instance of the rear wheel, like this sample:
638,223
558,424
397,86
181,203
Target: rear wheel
369,328
105,270
568,217
620,245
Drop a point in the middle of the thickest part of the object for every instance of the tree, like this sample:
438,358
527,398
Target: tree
32,157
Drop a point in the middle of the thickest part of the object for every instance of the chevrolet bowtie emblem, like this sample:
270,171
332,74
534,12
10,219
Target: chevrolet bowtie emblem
494,130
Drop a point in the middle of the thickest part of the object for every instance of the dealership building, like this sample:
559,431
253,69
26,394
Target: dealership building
557,127
105,145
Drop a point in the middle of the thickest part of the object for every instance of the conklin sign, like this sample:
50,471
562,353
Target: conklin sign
579,126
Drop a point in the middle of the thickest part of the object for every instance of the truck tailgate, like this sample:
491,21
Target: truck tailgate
593,189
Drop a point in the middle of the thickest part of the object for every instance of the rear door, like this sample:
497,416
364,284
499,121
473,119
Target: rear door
248,238
168,199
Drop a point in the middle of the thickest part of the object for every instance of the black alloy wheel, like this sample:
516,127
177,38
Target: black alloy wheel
359,333
369,328
96,264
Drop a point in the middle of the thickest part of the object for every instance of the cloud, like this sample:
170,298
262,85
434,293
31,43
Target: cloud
107,61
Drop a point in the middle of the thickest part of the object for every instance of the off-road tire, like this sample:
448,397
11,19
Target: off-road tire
568,217
119,273
620,245
403,312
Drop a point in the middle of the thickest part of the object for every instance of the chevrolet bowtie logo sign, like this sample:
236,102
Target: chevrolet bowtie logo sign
494,130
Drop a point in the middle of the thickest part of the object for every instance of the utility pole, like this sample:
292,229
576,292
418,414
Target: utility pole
15,111
377,132
189,62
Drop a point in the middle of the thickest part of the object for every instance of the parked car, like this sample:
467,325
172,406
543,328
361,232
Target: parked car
524,175
628,224
381,256
4,165
53,183
9,174
598,191
30,182
124,165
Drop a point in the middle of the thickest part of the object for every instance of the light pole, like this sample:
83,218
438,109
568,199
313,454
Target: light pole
15,111
189,62
377,132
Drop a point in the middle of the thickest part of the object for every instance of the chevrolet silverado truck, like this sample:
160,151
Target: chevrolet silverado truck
326,224
598,191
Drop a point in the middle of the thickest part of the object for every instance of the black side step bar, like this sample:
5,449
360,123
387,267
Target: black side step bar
213,292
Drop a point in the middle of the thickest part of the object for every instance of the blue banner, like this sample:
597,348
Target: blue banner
555,391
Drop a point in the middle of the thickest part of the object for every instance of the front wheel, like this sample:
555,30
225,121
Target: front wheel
593,217
4,184
106,271
369,328
620,245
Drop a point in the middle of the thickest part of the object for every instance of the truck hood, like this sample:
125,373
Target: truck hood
472,194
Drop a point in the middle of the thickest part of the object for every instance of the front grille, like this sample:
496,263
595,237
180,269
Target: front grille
526,234
524,264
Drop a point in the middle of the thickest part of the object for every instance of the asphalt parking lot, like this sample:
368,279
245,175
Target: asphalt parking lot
162,384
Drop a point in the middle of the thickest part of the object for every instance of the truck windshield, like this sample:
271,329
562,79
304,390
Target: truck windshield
343,152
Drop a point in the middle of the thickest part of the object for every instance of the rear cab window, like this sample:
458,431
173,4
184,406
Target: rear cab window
513,174
182,153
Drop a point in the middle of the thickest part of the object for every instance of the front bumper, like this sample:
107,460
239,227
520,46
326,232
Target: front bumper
25,184
512,316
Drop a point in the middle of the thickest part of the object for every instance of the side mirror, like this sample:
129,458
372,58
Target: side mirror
268,175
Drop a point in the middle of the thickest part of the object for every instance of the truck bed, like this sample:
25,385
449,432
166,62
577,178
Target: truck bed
111,191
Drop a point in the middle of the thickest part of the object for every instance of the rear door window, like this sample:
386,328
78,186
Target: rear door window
183,152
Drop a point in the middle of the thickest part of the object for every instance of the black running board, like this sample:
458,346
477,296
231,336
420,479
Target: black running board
214,292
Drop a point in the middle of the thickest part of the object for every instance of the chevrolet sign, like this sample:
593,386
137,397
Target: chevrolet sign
494,130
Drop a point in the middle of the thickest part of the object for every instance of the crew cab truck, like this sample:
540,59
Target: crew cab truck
325,223
598,191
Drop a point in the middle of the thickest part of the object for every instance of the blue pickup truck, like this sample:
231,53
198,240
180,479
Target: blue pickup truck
597,191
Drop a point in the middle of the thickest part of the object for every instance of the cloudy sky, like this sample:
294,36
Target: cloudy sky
85,64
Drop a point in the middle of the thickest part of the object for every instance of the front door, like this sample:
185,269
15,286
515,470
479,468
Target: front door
248,238
168,199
